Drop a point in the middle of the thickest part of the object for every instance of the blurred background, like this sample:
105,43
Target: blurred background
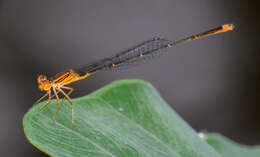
213,83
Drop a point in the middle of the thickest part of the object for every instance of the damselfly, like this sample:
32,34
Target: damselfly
139,52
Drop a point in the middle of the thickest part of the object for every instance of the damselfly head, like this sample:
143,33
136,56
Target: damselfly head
44,83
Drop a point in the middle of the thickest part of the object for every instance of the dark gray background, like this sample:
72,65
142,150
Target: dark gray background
213,83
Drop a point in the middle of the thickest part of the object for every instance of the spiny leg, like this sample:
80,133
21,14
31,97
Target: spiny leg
72,104
39,100
59,104
69,88
49,100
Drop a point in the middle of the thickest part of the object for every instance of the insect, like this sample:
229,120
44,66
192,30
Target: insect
139,52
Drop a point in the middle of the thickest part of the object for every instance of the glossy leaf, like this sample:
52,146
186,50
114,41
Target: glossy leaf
228,148
127,118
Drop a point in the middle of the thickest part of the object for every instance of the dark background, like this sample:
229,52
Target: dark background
213,83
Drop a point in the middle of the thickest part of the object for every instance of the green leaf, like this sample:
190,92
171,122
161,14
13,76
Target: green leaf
127,118
227,148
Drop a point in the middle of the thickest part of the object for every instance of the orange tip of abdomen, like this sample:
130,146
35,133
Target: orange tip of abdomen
227,27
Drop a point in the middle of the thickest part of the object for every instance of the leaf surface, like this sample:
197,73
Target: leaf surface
127,118
228,148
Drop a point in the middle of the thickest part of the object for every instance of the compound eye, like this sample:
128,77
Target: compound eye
42,78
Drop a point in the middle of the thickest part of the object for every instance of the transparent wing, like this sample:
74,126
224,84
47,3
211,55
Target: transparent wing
134,55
